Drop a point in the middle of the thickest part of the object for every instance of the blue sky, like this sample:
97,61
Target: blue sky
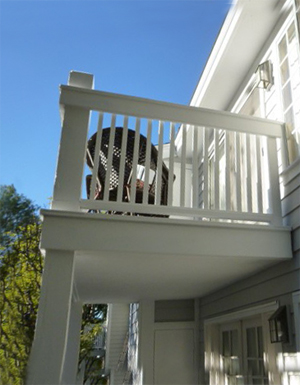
154,49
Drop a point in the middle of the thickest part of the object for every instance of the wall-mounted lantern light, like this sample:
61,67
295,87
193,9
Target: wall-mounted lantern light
278,324
264,74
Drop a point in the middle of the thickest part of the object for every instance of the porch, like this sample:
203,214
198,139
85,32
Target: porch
220,219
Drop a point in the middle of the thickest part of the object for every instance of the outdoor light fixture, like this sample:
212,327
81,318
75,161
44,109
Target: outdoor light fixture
278,324
264,75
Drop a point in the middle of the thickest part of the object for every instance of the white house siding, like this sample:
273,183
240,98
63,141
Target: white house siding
278,283
133,345
117,332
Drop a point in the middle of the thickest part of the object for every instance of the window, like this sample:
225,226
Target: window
243,353
288,58
238,349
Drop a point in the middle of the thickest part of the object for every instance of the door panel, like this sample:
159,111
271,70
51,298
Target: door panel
174,357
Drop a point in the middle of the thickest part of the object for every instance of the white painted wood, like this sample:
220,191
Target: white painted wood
178,211
158,108
109,157
147,162
135,160
275,241
249,174
71,158
122,159
227,171
139,107
174,357
284,148
81,80
238,173
205,133
118,326
159,164
296,308
55,349
183,167
274,196
259,175
217,169
195,203
95,161
171,164
146,353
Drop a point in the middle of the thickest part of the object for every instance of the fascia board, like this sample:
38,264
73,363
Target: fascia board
221,42
231,40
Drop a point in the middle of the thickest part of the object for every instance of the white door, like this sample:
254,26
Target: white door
242,352
174,357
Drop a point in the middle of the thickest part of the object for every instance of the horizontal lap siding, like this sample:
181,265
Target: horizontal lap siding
118,330
276,283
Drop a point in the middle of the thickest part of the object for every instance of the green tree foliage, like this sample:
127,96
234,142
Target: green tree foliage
16,211
21,265
93,317
20,272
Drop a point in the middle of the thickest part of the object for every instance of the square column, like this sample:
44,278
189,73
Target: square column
54,355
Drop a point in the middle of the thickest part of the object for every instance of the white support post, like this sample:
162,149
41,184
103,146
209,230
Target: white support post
71,159
54,355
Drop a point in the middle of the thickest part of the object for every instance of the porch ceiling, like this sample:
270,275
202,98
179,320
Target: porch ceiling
122,258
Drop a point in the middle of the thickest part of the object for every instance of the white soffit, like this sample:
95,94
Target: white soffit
246,28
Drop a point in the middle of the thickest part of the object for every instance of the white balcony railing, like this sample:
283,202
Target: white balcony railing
215,165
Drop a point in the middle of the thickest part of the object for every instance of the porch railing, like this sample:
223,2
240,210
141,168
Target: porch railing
225,165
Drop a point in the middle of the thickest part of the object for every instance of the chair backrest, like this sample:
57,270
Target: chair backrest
115,170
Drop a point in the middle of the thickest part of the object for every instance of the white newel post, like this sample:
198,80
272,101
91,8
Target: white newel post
71,159
54,354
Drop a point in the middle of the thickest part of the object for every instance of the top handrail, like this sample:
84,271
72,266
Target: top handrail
147,108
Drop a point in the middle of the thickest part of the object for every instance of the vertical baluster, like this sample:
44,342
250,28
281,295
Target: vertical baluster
171,164
274,192
95,161
205,167
158,182
195,168
259,175
249,174
110,157
122,160
217,168
147,162
284,148
135,160
228,171
183,167
238,151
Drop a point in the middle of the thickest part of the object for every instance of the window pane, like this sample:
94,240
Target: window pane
251,342
289,121
234,343
284,71
253,369
282,49
291,33
260,342
226,344
287,95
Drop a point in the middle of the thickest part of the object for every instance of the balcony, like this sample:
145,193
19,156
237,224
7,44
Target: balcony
200,210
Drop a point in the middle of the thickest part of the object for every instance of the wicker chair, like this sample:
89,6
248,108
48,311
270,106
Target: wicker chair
115,170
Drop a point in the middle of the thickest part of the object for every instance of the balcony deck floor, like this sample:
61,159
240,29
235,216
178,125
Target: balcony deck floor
123,258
